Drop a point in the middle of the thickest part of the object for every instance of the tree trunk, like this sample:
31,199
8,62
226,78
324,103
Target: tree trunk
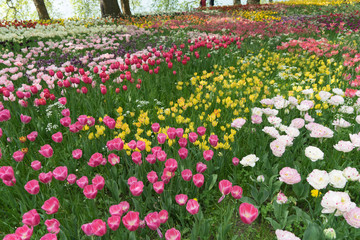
253,1
110,8
41,9
236,2
125,6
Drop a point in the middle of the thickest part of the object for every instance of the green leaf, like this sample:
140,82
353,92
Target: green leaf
274,223
248,200
313,231
298,189
213,181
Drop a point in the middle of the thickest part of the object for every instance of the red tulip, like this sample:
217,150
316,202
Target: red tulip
173,234
192,206
114,222
60,173
25,232
131,220
198,180
51,205
32,187
31,218
98,227
53,225
248,213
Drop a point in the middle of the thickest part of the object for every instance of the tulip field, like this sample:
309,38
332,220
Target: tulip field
233,122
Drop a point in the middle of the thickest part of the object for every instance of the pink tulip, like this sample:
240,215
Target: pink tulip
136,157
179,132
99,182
164,216
132,144
31,218
65,112
225,187
131,180
82,182
77,153
71,178
155,127
36,165
87,229
1,132
18,156
90,191
51,205
182,142
248,213
158,187
60,173
131,220
32,136
201,167
113,159
115,144
155,150
193,137
53,225
183,153
141,145
181,199
125,206
186,174
46,151
152,177
236,192
109,122
150,158
171,132
201,130
5,115
171,164
213,139
198,180
25,232
152,220
25,119
161,156
192,206
137,188
57,137
6,173
82,119
98,227
235,161
45,177
49,236
62,100
65,121
114,222
161,137
173,234
11,237
32,187
96,159
208,155
116,210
